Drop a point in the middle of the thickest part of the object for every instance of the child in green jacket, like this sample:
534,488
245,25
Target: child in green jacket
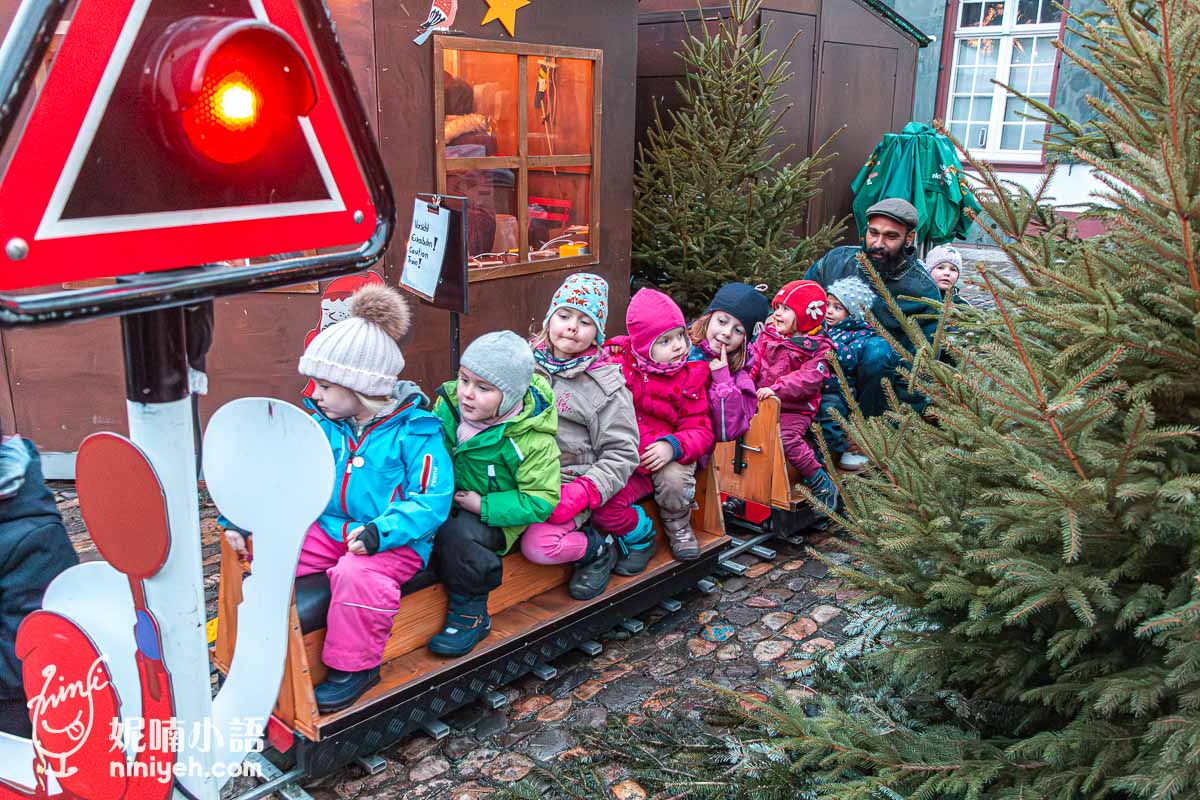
499,424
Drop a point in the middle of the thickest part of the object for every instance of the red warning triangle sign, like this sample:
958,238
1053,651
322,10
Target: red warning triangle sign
92,191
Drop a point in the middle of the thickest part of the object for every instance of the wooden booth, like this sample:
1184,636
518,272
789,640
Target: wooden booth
535,127
853,65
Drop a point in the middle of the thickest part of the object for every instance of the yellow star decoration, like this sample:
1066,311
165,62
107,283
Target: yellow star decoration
506,12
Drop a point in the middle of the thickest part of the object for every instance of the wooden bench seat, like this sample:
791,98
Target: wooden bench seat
530,597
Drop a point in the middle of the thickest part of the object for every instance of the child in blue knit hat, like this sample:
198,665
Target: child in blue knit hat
597,434
846,325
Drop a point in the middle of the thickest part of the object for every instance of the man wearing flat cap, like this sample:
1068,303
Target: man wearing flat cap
890,244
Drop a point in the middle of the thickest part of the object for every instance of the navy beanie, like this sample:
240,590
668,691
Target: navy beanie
745,303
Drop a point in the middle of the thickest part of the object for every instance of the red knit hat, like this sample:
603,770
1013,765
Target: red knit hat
807,299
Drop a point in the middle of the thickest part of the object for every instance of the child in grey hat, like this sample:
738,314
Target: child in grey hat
846,325
499,425
945,264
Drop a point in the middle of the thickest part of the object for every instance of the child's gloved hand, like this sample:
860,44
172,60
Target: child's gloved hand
574,497
236,540
363,540
657,456
14,461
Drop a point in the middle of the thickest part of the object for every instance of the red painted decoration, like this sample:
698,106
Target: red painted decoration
335,306
123,504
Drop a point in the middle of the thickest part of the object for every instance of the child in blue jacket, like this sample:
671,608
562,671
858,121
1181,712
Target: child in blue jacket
849,298
394,483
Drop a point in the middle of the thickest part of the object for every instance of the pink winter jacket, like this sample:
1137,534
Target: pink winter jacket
670,407
732,399
794,368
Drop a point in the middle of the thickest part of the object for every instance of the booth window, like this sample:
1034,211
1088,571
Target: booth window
1009,41
518,130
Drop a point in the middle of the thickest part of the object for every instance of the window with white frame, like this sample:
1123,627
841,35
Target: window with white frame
1012,42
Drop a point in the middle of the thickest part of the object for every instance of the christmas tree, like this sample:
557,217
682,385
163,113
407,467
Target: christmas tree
714,200
1030,549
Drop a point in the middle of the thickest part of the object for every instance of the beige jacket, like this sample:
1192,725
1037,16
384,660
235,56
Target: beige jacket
597,427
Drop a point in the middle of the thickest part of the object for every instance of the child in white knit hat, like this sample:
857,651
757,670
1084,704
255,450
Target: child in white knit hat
394,483
945,267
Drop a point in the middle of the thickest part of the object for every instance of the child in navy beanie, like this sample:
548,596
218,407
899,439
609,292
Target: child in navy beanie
724,338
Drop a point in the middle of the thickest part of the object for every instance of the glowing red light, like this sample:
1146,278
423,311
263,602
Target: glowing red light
225,88
236,112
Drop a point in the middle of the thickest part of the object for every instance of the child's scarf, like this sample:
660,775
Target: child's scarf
649,365
468,429
554,366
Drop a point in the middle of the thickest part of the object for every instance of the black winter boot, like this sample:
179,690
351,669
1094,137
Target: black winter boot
467,624
342,688
590,578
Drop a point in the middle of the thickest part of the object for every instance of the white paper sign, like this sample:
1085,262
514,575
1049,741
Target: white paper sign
426,249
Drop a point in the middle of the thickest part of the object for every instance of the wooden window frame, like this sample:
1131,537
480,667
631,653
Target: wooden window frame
950,37
523,161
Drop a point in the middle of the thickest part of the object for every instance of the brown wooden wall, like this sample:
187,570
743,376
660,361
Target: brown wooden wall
58,384
406,106
852,73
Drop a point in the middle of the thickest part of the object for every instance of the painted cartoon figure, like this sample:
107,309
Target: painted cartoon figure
335,306
77,749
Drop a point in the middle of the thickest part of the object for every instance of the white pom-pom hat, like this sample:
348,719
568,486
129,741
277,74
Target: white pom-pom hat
362,352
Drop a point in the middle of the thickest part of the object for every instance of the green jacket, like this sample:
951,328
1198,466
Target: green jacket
514,466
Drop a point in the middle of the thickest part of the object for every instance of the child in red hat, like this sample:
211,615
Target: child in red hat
792,366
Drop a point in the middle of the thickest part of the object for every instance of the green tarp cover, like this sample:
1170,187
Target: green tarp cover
921,166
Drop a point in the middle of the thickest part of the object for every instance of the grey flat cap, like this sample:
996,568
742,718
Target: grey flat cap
894,208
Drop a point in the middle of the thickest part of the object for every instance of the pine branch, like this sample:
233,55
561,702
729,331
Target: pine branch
1032,373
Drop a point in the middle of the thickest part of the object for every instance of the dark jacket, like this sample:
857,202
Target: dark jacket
34,549
848,337
911,281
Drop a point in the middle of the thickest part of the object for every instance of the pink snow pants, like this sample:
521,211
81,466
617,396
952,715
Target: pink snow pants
799,452
553,543
366,595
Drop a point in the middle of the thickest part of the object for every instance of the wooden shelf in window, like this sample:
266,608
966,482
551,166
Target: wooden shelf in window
528,268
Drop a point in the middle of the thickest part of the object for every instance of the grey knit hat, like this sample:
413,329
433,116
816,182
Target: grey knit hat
503,359
361,352
853,293
941,254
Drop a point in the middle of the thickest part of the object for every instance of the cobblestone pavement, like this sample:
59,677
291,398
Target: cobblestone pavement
756,627
994,260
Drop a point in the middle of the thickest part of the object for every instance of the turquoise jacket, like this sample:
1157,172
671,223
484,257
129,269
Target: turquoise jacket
395,474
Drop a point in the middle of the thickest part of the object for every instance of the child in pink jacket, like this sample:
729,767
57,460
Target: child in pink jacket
723,337
793,366
671,405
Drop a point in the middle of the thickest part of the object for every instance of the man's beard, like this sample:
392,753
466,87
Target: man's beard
884,262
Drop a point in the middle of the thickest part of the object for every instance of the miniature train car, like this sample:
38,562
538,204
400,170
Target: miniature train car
758,484
534,620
